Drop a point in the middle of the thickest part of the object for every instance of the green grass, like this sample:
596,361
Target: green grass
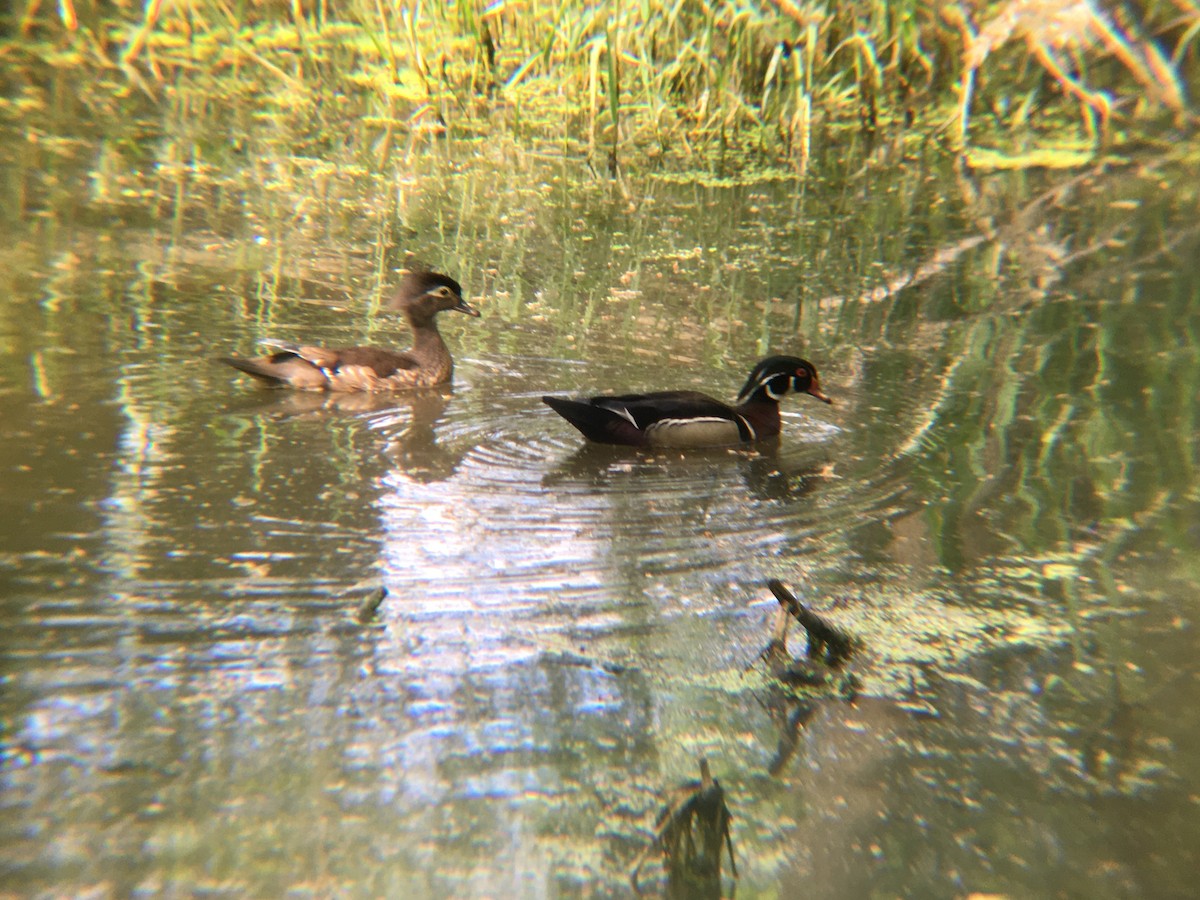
680,85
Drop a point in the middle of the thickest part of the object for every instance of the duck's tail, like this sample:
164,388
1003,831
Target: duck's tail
263,369
597,423
283,369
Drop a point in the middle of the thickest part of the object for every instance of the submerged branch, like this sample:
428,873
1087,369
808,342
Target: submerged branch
825,642
690,832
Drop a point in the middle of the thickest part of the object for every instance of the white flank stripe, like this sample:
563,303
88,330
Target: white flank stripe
692,420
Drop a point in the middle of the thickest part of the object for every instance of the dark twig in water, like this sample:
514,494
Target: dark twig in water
781,665
829,644
689,832
370,604
815,678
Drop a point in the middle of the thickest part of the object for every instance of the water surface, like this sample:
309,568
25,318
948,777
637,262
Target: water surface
1001,504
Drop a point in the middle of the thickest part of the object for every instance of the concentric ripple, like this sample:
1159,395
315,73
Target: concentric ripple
496,513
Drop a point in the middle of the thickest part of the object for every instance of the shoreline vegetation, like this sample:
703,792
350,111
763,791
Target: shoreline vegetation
640,86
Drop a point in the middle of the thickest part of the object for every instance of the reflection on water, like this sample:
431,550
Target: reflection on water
1000,506
408,418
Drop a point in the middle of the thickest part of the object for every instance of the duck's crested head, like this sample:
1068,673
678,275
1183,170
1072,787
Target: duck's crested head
423,293
776,375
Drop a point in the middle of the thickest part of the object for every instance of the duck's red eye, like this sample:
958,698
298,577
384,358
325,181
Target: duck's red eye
801,373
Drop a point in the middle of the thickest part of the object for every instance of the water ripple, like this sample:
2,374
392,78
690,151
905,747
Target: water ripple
526,518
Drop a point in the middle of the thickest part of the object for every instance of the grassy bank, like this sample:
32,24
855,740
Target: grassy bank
681,84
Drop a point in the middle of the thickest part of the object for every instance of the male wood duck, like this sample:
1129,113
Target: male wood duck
420,297
691,419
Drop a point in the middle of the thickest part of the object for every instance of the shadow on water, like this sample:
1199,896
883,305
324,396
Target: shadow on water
433,645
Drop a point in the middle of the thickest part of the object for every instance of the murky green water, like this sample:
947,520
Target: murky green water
1001,505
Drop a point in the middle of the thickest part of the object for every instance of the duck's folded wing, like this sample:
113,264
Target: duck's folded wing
680,419
383,362
663,419
648,410
321,357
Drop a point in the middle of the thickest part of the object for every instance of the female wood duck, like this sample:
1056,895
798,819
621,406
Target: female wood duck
420,297
691,419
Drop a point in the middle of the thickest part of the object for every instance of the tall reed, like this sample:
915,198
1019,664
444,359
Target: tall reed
633,78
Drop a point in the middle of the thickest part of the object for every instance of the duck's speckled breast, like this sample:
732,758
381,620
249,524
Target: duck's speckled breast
426,376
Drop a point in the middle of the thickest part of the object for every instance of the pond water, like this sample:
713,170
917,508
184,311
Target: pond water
1001,505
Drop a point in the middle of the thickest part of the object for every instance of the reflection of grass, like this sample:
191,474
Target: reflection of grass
1050,431
1054,418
